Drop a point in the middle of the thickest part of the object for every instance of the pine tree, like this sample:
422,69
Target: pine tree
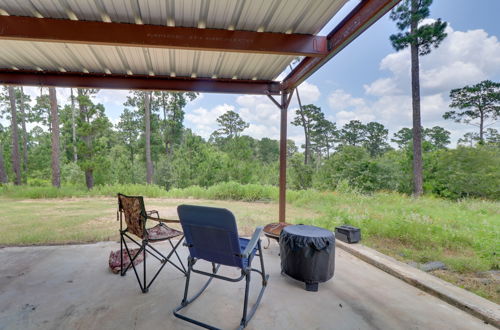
16,161
420,38
92,127
231,125
353,133
23,101
147,135
307,117
56,169
479,102
376,139
3,173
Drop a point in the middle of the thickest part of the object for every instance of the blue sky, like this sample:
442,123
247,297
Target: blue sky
368,80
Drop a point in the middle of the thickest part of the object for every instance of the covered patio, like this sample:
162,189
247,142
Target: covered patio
222,46
70,287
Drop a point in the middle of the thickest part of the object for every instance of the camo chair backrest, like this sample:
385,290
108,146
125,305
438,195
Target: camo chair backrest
134,212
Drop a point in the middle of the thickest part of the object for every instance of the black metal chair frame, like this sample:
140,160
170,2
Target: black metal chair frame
255,242
146,247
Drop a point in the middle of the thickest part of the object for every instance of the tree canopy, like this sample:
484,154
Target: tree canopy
231,124
355,156
424,36
478,105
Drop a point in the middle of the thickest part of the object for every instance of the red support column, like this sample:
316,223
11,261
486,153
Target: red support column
283,152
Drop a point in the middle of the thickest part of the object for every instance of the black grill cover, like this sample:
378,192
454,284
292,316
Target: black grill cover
307,253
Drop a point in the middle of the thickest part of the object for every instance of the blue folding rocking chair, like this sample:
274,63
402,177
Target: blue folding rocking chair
211,235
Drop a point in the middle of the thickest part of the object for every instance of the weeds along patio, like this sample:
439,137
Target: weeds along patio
71,287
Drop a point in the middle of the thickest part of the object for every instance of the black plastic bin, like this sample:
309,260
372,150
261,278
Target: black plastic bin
348,234
307,254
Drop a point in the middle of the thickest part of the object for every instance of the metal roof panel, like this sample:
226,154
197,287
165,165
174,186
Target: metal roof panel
280,16
297,16
119,59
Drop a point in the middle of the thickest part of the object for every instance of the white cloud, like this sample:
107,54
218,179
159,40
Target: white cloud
63,94
347,107
198,99
264,116
259,131
259,111
114,121
114,97
204,121
381,87
309,93
341,100
463,58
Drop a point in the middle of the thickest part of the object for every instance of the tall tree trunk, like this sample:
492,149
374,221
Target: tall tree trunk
481,125
3,173
306,132
16,162
87,139
417,122
73,127
54,123
89,178
165,124
24,137
147,134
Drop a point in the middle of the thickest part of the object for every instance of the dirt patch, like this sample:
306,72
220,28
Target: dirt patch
483,284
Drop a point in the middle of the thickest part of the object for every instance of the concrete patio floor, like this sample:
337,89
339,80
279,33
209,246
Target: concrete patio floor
71,287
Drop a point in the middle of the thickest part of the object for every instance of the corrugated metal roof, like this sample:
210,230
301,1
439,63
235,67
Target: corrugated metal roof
281,16
50,56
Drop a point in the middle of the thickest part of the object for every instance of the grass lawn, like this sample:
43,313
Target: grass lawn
86,220
464,235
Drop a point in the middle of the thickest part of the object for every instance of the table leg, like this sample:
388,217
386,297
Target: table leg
313,287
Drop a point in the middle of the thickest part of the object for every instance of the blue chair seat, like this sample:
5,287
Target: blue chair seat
243,245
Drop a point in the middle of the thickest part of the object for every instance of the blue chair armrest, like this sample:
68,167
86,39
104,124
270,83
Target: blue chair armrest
253,242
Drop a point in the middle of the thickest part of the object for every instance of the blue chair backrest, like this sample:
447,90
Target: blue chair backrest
211,234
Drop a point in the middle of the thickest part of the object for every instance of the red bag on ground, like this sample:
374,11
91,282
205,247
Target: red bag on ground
114,259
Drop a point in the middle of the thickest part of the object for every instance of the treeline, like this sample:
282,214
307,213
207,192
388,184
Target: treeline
358,156
77,144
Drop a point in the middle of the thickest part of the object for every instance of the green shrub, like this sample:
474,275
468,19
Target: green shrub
354,166
37,182
72,174
300,175
226,190
42,192
465,172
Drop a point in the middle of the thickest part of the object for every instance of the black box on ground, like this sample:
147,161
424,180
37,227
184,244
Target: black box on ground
348,234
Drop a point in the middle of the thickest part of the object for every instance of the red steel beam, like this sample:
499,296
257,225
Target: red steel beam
141,82
359,19
285,101
155,36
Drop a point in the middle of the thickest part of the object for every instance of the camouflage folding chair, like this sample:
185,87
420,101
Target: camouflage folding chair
132,210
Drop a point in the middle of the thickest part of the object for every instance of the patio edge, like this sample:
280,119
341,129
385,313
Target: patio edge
469,302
